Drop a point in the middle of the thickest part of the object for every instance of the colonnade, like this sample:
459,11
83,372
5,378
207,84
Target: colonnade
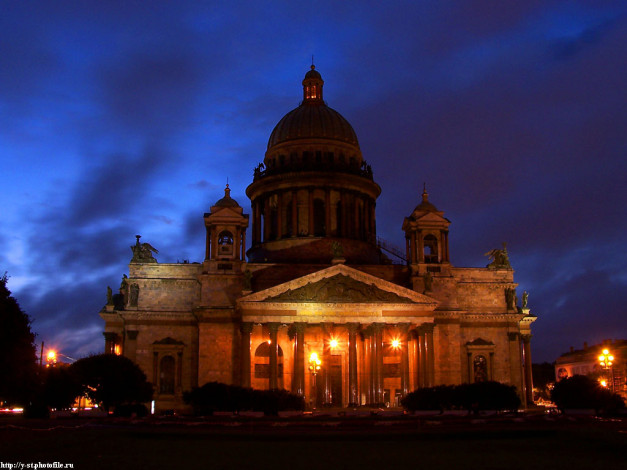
365,351
345,213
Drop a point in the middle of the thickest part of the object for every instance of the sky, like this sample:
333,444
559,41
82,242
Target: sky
120,118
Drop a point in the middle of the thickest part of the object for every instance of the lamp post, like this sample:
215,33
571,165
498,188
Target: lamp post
51,358
605,361
314,368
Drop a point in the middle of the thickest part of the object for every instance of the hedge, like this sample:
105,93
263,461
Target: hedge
216,396
472,397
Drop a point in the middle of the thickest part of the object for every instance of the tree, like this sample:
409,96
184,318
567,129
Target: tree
111,380
18,357
60,388
543,376
579,392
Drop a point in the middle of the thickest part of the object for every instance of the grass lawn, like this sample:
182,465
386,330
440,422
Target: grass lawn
565,443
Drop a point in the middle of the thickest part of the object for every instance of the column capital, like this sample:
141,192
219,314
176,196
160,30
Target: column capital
377,327
403,327
273,326
526,337
246,327
110,336
353,327
513,335
427,327
296,328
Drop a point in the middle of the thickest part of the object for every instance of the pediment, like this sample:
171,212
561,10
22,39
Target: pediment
339,284
225,212
433,217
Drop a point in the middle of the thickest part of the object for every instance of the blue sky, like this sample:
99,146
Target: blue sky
124,118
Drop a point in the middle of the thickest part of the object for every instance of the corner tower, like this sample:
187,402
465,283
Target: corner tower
426,237
313,193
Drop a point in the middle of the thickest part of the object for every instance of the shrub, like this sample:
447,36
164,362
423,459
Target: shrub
127,411
215,396
579,392
472,397
431,398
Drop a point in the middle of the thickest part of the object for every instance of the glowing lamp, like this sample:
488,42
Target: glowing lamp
333,343
314,363
396,344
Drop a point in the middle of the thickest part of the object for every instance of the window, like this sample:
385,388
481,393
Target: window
480,368
431,249
225,242
166,375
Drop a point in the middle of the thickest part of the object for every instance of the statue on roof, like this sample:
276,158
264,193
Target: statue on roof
142,252
499,258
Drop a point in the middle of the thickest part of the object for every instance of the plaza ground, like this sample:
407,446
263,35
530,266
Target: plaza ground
492,442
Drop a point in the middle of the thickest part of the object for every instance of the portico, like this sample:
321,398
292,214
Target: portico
374,338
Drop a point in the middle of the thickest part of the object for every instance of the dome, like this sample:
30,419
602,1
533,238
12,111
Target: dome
425,205
227,201
313,73
313,121
313,118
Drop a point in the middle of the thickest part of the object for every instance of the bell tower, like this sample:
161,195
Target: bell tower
226,226
426,238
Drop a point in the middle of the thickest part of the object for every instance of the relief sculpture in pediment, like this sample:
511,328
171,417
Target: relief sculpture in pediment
340,289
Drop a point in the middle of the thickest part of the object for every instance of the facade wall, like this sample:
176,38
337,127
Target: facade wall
217,352
210,342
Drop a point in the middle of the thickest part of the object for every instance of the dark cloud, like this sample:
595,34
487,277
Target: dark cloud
151,92
116,184
122,118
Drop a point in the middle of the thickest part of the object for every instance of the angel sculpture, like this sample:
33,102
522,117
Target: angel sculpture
142,252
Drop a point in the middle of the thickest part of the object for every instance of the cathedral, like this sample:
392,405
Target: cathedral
319,305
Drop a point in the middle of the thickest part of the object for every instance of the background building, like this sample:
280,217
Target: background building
586,362
317,281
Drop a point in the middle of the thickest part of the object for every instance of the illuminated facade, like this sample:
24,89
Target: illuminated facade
317,285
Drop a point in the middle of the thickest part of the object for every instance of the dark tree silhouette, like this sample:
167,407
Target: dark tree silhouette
580,391
18,358
111,380
60,388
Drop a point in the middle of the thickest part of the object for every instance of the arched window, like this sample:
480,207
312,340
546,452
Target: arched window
431,249
225,242
480,368
166,375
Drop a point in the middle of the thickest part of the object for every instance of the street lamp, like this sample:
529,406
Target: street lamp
314,368
51,358
605,361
